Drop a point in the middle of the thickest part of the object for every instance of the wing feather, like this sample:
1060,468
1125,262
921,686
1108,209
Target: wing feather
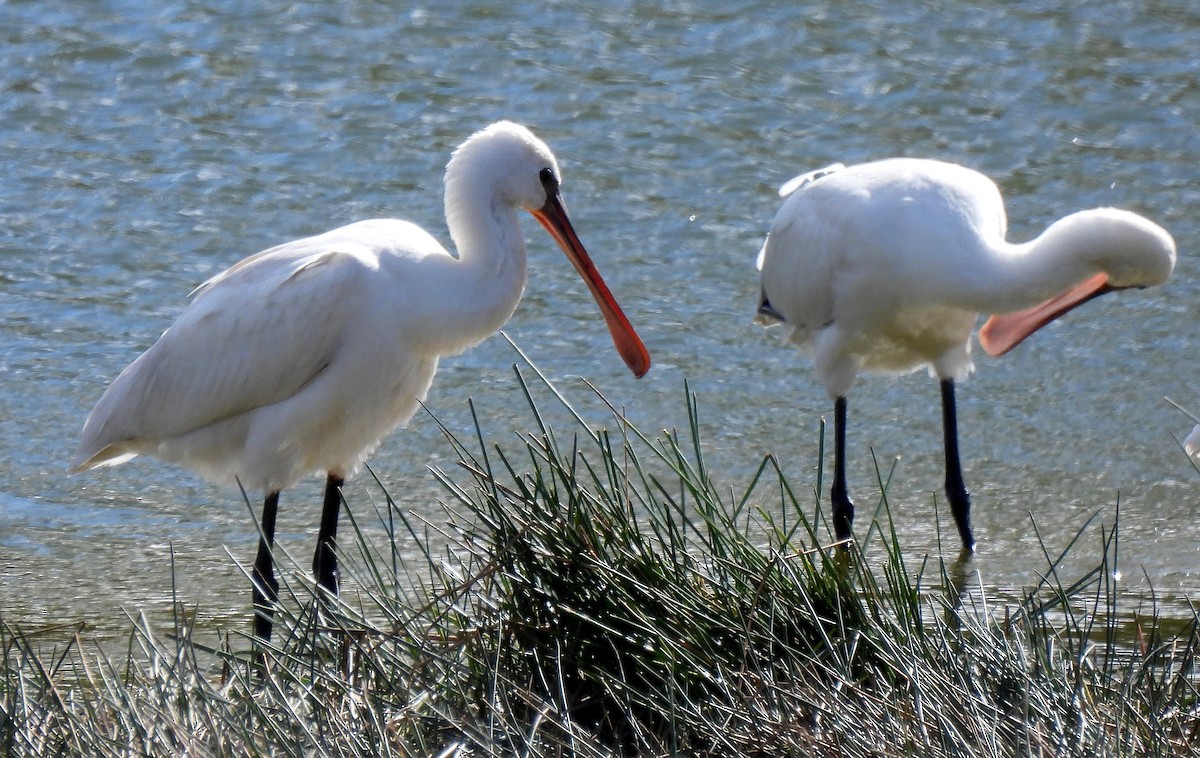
253,336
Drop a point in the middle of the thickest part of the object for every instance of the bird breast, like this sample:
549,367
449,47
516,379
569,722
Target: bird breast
909,338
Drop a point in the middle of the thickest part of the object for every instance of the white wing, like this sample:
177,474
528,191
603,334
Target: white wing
801,266
254,335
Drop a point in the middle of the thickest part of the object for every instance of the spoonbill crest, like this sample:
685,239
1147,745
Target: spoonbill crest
301,358
885,266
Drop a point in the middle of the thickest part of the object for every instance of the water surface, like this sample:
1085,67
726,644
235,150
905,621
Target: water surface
143,150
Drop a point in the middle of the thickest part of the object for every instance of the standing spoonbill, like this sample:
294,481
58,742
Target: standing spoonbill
885,266
303,357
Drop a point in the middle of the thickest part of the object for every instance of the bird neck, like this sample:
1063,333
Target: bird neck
1066,253
489,270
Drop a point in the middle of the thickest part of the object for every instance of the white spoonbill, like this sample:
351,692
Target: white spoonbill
1192,444
303,357
885,266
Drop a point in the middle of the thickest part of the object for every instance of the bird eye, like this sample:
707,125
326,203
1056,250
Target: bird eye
549,181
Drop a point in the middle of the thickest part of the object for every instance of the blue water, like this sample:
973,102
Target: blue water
143,150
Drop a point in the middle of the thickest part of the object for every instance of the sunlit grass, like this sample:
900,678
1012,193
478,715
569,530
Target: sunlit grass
593,592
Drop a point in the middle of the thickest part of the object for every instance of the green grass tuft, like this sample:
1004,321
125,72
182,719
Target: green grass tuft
594,592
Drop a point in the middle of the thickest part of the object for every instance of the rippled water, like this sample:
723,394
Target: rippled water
145,150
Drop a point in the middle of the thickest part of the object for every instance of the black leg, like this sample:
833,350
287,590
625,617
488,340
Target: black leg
266,588
325,560
843,506
956,489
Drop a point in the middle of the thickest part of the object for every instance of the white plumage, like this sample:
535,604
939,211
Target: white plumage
296,360
303,357
1192,443
885,266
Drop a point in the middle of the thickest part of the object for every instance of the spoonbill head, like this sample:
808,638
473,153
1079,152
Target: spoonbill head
301,358
885,266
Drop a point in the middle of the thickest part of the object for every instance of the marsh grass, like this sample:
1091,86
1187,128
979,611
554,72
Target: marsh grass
593,592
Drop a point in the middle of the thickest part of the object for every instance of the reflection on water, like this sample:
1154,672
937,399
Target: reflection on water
144,150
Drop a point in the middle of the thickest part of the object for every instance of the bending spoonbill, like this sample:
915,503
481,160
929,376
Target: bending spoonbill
885,266
303,357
